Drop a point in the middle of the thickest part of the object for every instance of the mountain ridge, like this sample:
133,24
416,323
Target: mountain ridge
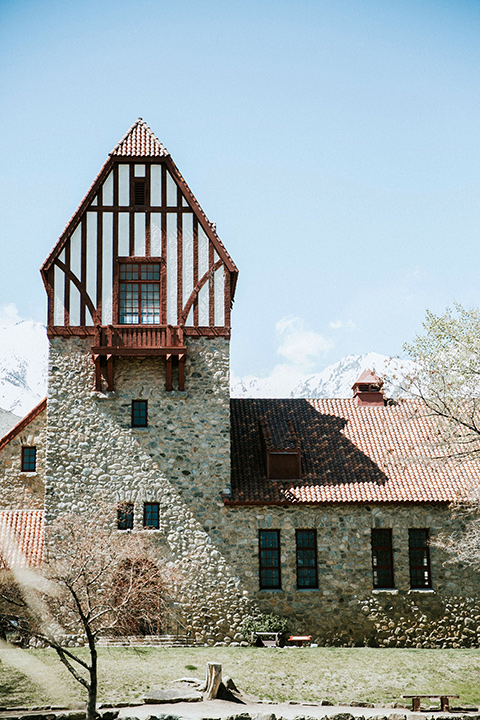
24,360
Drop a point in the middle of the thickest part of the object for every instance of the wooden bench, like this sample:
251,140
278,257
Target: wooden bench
268,639
301,640
444,701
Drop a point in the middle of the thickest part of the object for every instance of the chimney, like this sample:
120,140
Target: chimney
367,390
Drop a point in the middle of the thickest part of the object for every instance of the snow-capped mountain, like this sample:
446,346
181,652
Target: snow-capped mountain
23,366
334,382
7,421
23,374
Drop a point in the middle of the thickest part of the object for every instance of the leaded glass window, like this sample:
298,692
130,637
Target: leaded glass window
139,294
269,557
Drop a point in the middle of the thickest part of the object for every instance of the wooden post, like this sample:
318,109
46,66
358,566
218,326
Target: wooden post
181,371
98,373
168,378
110,373
214,678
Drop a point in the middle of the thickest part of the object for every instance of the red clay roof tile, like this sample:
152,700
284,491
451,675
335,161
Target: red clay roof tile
21,538
140,141
349,454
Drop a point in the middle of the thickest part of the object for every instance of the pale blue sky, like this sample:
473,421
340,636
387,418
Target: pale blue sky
335,143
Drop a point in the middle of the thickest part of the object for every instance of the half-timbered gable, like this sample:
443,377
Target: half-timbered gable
139,266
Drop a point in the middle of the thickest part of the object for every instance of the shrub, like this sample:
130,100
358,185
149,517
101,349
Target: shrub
265,622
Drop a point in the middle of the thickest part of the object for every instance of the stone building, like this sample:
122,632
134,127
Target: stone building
322,511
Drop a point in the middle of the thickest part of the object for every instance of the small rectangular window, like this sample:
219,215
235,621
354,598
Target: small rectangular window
269,559
306,559
29,459
283,465
382,559
125,516
139,192
151,516
139,413
419,555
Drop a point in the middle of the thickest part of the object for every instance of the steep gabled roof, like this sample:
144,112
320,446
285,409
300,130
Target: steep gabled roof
140,141
23,423
349,454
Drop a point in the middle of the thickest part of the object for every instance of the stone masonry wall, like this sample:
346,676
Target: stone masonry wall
23,490
345,609
181,460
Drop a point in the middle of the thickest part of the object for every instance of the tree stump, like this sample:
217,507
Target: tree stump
214,678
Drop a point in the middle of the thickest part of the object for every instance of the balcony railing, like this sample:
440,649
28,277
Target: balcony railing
138,339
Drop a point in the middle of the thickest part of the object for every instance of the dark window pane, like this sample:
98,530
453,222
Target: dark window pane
306,559
419,552
382,558
151,515
139,413
269,558
29,459
125,516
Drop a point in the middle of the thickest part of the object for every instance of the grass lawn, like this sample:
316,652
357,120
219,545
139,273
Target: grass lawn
341,675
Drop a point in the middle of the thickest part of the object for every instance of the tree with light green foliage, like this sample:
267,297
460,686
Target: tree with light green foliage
447,378
447,381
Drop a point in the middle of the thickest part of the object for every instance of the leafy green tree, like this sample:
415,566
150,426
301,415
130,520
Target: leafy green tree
447,381
447,377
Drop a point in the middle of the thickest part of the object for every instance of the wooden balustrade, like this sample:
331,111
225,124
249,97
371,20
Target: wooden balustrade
138,339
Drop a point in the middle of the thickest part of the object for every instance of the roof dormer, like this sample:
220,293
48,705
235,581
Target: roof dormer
368,390
281,451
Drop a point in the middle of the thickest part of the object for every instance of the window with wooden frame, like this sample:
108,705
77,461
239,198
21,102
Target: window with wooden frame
125,516
306,542
419,556
382,559
283,465
151,516
29,459
139,413
269,559
139,293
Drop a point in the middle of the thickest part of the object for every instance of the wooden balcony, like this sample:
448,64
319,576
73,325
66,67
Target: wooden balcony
138,340
112,341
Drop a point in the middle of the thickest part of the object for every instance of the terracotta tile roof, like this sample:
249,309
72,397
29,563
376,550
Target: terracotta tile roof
140,141
23,423
368,377
349,454
21,538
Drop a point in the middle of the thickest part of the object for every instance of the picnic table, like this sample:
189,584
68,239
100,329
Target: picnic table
444,700
301,640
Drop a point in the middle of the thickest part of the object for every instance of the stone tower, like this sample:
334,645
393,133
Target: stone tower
139,294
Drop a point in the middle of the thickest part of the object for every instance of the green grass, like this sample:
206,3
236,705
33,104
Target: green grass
341,675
